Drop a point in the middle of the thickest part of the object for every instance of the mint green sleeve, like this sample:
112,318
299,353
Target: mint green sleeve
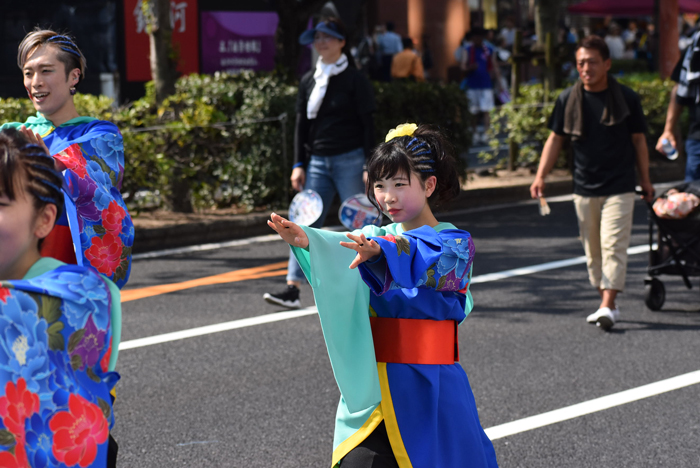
116,322
342,299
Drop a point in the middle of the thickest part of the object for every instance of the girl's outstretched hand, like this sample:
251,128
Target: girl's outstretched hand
290,232
366,249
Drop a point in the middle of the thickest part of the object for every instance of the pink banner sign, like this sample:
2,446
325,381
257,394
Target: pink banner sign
235,41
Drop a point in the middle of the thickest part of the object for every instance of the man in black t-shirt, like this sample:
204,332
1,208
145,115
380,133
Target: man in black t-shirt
689,99
606,124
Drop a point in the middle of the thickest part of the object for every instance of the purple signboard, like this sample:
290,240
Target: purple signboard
233,41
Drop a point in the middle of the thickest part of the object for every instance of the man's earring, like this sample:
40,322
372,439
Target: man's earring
72,91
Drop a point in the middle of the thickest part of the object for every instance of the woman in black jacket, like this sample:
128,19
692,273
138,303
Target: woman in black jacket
334,133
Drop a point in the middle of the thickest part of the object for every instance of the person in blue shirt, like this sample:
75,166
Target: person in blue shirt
388,44
478,61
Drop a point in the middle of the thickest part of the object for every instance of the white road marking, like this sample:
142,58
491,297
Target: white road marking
275,317
592,406
204,247
496,432
218,327
547,266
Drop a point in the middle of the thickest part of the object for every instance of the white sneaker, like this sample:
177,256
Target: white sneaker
604,317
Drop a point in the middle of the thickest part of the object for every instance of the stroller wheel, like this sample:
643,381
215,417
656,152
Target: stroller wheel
654,294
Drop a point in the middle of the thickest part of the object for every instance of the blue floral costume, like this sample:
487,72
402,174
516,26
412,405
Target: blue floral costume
55,382
428,409
96,228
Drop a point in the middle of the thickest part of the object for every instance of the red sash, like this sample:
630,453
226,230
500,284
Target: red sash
415,341
59,245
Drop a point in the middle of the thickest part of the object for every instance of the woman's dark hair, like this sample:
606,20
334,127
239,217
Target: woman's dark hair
340,27
426,153
28,165
596,43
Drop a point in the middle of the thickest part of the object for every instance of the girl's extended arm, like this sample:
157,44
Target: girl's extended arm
291,233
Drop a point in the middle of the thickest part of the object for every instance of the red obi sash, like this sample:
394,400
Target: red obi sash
59,245
415,341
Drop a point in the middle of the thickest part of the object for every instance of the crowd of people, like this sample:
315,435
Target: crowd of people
66,238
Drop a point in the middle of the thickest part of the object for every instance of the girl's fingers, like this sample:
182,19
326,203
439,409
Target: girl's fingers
351,245
353,237
356,262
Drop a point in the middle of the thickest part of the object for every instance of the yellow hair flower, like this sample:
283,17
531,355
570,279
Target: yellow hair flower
406,129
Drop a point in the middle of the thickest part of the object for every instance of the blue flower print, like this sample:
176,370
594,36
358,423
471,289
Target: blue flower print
84,294
102,196
457,255
24,345
39,440
110,148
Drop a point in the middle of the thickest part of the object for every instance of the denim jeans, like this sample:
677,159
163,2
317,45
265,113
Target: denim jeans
328,175
692,166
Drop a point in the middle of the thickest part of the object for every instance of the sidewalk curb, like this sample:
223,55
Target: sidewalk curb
254,224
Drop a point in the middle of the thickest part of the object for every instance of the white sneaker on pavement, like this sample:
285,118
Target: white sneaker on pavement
604,317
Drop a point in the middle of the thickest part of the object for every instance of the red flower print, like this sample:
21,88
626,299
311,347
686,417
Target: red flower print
112,217
105,253
18,460
73,159
104,362
16,406
4,294
388,237
78,431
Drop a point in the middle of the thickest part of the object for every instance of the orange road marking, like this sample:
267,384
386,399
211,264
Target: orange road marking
265,271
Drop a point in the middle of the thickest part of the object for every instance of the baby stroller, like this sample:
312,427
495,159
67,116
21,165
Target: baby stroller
678,249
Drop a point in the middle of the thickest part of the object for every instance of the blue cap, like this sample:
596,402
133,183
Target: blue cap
307,37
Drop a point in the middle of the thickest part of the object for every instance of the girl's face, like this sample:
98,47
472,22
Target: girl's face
21,227
46,82
404,200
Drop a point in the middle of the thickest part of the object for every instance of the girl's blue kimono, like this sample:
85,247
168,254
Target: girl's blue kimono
428,409
56,362
95,228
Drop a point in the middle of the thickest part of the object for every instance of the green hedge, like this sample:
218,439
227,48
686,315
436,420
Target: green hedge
205,146
525,119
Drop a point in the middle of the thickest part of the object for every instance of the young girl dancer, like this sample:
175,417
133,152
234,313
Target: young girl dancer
390,319
59,327
95,228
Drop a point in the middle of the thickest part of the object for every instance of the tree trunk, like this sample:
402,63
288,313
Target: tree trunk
546,18
163,57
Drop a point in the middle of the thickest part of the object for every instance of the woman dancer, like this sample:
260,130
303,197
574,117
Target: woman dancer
391,330
95,228
59,328
334,134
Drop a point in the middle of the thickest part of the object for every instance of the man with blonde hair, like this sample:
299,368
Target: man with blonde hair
96,228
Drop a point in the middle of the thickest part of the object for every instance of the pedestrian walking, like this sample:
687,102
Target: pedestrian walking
95,228
59,327
390,319
478,61
686,93
388,44
334,134
407,65
606,125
